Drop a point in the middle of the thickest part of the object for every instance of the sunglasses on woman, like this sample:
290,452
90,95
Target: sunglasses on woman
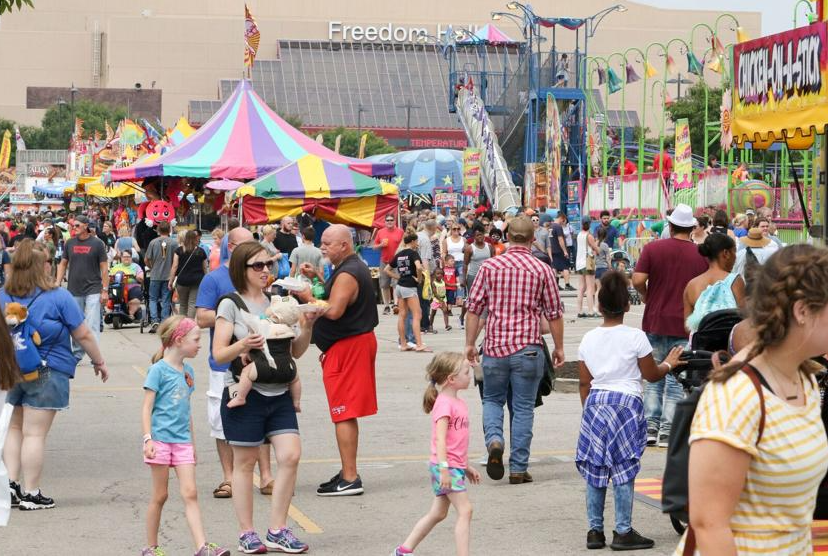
259,266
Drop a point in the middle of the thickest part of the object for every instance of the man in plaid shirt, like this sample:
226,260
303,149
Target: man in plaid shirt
518,291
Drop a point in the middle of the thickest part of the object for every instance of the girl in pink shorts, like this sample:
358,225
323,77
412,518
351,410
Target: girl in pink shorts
168,430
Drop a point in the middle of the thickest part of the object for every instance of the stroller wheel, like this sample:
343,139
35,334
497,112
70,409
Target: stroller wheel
678,525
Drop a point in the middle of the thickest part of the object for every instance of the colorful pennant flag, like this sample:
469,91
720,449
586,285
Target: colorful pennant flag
614,83
110,135
694,66
668,100
741,35
716,64
718,48
78,133
21,144
5,150
649,70
251,38
671,65
631,75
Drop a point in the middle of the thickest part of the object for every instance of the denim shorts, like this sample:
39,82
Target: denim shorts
404,292
49,391
260,418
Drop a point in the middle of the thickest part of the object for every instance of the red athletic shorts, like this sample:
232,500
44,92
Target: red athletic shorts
348,372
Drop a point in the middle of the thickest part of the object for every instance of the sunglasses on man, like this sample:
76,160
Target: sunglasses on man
260,265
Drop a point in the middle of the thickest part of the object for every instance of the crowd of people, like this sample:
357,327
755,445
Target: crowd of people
501,275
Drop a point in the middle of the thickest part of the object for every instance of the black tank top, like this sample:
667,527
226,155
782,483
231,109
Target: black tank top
359,317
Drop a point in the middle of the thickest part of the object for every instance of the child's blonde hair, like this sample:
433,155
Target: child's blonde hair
166,332
441,368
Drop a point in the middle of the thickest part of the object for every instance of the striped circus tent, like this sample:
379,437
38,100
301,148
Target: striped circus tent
327,190
245,139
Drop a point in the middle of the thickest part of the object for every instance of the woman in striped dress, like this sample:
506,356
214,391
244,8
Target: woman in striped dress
752,494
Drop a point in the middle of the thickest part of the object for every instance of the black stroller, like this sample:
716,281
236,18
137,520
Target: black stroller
712,336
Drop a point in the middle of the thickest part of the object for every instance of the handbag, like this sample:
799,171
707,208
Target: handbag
590,262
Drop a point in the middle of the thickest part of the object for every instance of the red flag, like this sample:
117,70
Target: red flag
251,37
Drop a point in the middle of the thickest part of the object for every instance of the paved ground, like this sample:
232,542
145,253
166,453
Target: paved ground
95,472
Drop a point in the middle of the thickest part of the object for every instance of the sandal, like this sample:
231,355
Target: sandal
267,490
423,349
224,490
448,328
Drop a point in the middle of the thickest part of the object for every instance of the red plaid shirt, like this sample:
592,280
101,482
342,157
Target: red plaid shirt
517,289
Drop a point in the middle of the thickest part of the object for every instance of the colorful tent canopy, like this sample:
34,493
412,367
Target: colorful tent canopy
93,187
55,190
311,184
488,34
245,139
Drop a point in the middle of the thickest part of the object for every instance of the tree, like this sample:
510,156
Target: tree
691,106
349,145
9,5
57,124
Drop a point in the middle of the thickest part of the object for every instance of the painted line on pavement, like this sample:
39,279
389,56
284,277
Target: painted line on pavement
424,457
104,389
297,515
140,371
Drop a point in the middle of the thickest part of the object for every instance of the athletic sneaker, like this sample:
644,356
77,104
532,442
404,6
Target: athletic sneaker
663,441
36,501
387,310
154,327
284,540
16,492
152,551
332,481
399,552
212,549
250,543
652,437
341,488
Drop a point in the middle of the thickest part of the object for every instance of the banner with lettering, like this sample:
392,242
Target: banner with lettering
683,165
5,150
780,85
471,172
553,150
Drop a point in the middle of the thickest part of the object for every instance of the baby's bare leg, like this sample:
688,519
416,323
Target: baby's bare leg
246,378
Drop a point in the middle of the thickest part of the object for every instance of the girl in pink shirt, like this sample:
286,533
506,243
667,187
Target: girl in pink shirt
449,451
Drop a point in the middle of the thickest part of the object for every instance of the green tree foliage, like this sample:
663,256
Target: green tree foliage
691,106
9,5
349,145
57,124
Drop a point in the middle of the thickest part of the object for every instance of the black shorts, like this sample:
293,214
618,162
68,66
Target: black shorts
560,262
260,418
451,297
135,292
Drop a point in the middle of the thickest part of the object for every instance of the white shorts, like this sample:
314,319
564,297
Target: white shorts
214,404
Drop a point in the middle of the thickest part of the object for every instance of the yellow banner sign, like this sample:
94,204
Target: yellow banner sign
780,86
5,150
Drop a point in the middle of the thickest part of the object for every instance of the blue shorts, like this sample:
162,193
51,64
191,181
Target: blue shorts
458,480
451,297
49,391
260,418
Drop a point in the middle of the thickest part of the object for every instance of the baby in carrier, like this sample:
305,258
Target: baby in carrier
274,365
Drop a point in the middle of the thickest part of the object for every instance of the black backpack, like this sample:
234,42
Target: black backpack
675,488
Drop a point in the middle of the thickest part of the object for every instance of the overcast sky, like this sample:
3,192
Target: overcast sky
777,15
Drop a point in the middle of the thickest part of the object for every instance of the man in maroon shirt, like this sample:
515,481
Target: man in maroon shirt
387,239
661,274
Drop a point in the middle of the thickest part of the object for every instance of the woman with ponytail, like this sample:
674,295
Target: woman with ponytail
447,374
754,472
719,287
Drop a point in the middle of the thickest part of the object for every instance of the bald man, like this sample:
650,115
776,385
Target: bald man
345,335
213,287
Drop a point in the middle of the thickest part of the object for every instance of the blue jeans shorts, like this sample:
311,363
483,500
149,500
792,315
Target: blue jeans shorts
49,391
260,418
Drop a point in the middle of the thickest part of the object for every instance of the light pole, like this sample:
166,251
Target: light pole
678,81
810,7
594,20
408,107
360,110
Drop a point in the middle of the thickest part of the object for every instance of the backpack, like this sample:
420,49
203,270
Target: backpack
25,339
675,487
752,264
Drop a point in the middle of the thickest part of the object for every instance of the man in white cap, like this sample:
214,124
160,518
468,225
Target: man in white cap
661,274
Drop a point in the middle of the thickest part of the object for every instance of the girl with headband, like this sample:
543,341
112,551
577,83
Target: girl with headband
168,430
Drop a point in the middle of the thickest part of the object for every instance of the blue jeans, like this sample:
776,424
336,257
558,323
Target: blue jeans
660,397
595,498
90,306
159,294
409,329
522,371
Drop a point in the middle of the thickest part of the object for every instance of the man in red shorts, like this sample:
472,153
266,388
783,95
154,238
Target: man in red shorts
345,335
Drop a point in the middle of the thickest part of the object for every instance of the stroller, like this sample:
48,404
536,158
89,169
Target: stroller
712,336
622,262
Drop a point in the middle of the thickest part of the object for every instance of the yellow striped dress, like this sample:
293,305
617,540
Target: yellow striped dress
774,513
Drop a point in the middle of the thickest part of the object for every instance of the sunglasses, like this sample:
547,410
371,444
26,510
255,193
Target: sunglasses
455,229
259,266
